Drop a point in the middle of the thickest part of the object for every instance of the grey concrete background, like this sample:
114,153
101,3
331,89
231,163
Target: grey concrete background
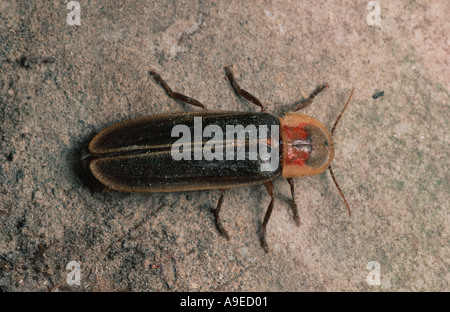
61,84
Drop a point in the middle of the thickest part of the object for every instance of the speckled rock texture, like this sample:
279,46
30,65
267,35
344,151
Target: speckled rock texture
61,84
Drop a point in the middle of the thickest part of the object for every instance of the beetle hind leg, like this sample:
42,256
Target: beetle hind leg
270,190
246,95
218,221
175,95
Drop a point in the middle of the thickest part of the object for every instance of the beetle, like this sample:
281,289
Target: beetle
136,155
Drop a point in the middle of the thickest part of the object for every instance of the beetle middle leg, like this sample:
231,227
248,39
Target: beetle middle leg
242,92
175,95
270,190
306,102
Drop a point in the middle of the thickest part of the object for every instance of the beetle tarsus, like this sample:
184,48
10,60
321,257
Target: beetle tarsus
218,221
175,95
246,95
264,244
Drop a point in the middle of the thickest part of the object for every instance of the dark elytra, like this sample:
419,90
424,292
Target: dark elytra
141,148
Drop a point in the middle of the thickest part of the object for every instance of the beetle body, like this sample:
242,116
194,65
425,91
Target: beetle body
135,155
148,154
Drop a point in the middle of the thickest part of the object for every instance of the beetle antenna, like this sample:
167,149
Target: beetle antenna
343,110
339,189
332,133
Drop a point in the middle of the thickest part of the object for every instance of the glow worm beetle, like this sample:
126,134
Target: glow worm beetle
135,155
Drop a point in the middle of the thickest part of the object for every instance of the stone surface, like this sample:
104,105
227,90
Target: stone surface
61,84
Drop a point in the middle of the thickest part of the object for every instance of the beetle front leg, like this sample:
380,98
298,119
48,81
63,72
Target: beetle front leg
218,221
294,204
270,190
175,95
306,102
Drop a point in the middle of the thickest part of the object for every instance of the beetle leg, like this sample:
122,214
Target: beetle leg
242,92
306,102
175,95
269,188
219,225
294,204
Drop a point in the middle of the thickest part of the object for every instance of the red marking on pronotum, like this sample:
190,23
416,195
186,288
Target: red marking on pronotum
296,132
296,156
